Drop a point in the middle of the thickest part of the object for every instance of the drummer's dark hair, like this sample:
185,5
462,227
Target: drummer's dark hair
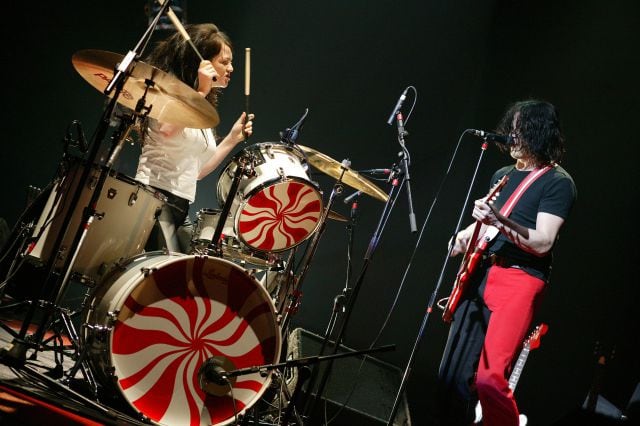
176,56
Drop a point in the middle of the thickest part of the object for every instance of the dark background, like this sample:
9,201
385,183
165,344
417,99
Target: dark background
348,62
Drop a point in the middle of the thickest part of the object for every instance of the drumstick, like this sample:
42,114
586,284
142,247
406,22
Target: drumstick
176,23
247,80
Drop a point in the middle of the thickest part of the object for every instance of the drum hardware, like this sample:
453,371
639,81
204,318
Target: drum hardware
296,293
83,279
89,64
213,372
344,174
290,135
244,168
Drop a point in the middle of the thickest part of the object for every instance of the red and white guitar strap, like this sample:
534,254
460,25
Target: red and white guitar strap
506,209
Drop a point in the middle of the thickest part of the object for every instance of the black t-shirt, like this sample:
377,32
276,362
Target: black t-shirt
554,192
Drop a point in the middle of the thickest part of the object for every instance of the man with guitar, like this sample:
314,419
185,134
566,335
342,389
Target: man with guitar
505,269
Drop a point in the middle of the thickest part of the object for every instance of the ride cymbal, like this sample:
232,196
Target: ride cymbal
169,99
336,170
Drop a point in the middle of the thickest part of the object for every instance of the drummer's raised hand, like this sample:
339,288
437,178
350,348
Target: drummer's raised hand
207,76
242,128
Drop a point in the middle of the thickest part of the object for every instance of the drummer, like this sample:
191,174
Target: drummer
174,158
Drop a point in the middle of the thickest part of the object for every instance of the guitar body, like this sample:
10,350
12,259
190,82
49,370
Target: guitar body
469,265
472,258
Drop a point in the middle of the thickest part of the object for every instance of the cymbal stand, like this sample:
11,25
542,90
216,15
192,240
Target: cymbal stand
294,299
351,299
16,354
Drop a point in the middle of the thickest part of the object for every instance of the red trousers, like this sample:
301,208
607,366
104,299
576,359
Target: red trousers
512,296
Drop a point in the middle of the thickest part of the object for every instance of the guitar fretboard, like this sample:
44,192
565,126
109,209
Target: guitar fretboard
517,368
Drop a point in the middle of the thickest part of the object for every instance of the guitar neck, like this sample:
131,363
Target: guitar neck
517,368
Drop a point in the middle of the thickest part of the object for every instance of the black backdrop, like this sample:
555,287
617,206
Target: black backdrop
348,62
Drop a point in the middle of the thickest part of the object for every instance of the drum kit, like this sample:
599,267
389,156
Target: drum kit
151,321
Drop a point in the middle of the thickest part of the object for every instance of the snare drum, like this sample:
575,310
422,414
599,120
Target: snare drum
125,214
277,207
152,324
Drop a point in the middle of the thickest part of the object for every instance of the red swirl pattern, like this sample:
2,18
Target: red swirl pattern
176,318
280,216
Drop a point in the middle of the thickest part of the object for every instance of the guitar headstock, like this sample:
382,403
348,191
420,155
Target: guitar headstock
533,341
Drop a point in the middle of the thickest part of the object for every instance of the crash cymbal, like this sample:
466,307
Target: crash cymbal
335,169
336,216
171,100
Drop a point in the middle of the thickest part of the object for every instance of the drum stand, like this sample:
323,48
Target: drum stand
16,354
294,297
245,168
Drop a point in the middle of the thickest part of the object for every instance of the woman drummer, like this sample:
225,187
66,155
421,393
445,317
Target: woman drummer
174,158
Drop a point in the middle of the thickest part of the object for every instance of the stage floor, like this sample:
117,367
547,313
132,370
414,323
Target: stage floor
32,390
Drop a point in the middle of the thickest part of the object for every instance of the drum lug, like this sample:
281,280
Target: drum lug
281,173
112,318
111,193
133,198
269,152
83,279
99,333
147,271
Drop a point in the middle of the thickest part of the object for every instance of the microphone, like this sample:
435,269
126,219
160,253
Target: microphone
348,199
398,105
376,171
492,137
211,371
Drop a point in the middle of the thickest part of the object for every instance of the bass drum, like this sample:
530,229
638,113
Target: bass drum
152,324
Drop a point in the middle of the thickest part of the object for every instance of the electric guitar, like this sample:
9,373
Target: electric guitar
472,257
531,343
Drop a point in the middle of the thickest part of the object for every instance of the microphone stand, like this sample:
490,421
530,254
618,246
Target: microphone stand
405,169
340,299
407,370
298,363
311,401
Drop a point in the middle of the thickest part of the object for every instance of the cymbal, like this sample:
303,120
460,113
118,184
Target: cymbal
336,216
171,100
335,169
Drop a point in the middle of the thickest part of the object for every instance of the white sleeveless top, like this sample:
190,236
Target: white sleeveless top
173,163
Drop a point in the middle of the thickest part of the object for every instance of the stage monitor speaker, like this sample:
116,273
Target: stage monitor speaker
366,386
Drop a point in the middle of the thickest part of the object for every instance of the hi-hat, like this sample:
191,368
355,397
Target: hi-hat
171,100
336,170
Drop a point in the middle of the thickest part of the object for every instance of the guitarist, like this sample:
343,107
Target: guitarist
503,292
